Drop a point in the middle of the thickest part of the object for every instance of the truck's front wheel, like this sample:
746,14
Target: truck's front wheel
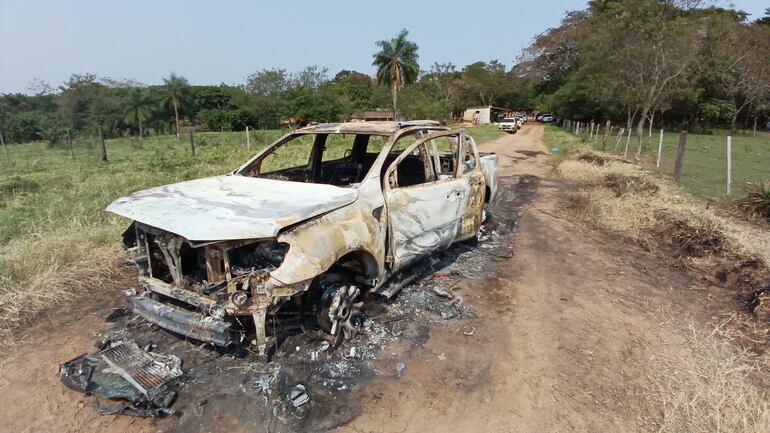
339,309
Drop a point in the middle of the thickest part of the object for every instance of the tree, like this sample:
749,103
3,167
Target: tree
137,107
396,64
639,50
484,81
445,79
78,96
176,89
312,78
745,66
268,82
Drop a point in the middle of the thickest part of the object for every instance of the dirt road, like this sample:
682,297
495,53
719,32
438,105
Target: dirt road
560,340
566,329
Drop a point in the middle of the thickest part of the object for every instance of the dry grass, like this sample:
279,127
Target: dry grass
710,384
623,199
54,269
756,203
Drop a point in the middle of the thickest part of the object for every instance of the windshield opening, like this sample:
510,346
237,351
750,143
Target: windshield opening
332,159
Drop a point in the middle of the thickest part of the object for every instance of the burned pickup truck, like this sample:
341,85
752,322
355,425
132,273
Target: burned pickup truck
312,222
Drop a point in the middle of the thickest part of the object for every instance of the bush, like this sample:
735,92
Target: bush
756,204
33,126
227,120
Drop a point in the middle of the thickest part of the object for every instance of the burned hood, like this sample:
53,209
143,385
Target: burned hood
230,207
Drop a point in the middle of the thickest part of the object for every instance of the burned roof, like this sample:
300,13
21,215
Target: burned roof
382,128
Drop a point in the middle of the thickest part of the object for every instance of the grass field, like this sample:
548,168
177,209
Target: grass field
704,171
56,239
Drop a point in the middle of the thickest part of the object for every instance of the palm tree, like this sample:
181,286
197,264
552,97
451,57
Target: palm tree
175,87
396,64
136,105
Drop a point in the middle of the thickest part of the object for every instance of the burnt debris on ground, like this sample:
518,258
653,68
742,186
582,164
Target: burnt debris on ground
306,386
132,381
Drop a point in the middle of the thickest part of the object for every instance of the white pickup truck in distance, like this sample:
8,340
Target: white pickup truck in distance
510,124
317,218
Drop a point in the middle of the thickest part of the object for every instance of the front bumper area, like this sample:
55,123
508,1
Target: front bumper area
192,325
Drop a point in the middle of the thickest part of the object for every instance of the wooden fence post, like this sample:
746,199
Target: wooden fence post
192,141
660,149
729,164
628,140
69,144
248,139
680,155
103,146
607,132
5,149
591,134
621,131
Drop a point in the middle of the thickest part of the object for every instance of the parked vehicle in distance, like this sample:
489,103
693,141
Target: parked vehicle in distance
546,118
510,125
311,222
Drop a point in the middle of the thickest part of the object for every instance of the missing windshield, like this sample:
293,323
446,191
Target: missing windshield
332,159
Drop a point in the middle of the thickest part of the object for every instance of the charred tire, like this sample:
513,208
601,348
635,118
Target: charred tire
339,308
319,295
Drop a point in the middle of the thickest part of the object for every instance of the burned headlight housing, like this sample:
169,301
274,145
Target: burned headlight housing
258,256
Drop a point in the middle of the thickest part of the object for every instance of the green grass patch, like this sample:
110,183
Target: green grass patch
704,172
483,133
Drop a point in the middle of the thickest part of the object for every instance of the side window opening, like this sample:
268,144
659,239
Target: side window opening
469,159
444,152
433,160
414,169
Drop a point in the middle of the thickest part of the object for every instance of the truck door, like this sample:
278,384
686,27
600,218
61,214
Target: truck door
426,196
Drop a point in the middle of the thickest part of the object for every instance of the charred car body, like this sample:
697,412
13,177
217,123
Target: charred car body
219,256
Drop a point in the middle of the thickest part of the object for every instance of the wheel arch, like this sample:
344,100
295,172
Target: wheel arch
361,264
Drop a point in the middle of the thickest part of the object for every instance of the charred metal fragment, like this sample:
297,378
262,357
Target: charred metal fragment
139,380
181,321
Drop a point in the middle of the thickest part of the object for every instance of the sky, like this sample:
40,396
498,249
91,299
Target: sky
224,41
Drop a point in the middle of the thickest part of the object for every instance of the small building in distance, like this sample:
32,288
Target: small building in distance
487,114
372,116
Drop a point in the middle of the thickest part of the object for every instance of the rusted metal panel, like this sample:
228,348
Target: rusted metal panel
230,207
